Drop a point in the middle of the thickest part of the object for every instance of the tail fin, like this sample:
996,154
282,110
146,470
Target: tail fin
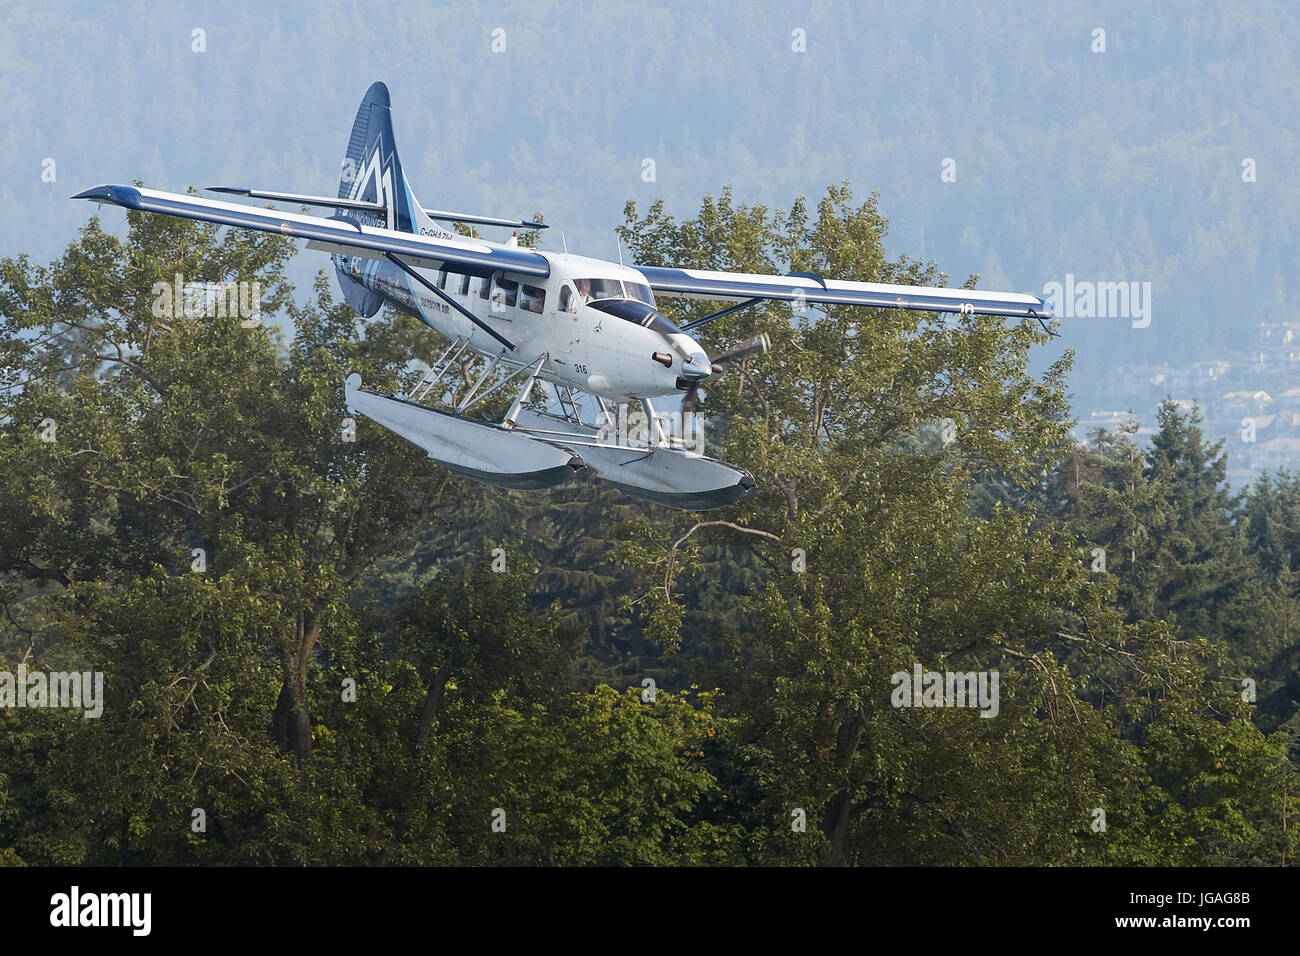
372,171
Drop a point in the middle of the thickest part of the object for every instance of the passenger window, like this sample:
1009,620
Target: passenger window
532,298
484,286
509,291
442,278
464,285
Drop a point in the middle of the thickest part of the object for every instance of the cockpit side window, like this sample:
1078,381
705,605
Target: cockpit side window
566,298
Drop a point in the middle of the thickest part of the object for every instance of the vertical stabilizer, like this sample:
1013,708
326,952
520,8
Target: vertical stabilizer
372,171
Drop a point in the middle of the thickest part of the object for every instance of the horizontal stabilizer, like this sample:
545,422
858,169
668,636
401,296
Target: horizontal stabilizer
300,199
483,220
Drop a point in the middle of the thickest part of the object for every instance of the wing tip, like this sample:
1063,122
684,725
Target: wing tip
127,196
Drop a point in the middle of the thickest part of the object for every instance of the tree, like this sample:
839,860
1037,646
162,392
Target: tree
320,650
844,420
204,533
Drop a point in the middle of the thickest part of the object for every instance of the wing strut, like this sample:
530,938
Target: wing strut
717,315
451,302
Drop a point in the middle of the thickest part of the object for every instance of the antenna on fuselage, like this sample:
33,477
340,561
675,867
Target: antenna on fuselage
619,243
565,241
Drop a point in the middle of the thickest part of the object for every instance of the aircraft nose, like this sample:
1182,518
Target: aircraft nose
697,367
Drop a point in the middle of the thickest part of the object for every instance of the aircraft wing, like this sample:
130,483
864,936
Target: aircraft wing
331,235
702,284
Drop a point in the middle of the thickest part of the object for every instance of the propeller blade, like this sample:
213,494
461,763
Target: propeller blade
755,346
691,399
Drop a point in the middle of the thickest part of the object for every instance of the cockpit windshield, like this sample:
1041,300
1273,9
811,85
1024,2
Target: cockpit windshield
592,289
642,293
600,288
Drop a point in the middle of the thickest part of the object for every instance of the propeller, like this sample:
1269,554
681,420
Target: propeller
755,346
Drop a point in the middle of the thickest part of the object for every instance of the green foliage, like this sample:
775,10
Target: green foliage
371,658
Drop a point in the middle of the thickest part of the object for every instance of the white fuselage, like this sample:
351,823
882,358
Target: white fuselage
593,321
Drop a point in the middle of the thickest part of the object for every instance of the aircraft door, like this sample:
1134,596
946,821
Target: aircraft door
567,306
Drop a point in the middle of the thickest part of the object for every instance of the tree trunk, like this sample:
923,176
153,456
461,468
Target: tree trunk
835,825
432,701
836,818
291,722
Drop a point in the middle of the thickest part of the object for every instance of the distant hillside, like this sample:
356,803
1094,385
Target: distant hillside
1123,165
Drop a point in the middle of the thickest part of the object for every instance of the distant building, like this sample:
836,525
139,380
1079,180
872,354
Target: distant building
1288,400
1244,402
1111,421
1278,348
1274,363
1274,454
1203,373
1279,335
1259,384
1139,378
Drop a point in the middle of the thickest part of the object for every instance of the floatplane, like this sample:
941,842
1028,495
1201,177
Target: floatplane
586,326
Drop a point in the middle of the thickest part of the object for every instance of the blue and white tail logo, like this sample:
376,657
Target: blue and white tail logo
372,172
